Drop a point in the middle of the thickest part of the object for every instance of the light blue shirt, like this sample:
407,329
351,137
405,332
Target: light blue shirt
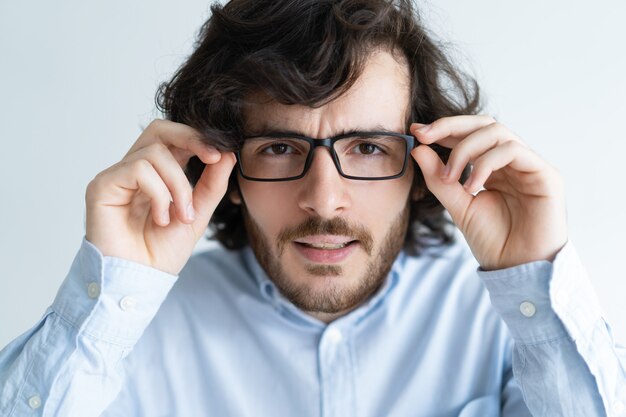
440,338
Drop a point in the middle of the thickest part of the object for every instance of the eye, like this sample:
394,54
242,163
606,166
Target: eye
277,148
367,148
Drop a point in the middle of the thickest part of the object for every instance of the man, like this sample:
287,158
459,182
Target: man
323,145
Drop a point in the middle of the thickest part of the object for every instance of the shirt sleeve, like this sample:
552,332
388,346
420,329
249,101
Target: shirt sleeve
565,360
69,363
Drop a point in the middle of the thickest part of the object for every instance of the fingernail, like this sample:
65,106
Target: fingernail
166,216
191,214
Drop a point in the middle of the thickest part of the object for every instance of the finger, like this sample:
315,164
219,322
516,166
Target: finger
172,175
184,140
210,189
446,131
452,196
473,146
513,154
140,175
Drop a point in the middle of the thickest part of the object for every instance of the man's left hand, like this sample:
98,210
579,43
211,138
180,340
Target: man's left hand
520,216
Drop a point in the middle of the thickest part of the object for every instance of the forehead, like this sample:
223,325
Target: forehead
379,98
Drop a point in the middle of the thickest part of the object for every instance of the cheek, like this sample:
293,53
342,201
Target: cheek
389,196
269,204
379,204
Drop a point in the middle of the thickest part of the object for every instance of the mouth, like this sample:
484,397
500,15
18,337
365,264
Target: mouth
325,249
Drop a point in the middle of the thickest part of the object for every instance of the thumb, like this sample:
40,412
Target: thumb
452,195
211,187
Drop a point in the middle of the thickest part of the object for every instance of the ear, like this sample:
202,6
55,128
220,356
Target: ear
235,197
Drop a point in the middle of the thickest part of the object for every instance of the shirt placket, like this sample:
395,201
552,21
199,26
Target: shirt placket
336,378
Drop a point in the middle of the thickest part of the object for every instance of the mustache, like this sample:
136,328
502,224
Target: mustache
319,226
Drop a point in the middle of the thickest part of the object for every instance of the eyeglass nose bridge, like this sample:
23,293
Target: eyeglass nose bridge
322,143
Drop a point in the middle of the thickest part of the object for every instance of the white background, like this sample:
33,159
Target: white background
77,83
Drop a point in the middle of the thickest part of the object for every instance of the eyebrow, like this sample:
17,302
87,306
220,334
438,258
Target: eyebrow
269,131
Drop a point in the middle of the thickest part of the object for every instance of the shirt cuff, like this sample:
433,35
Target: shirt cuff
109,298
541,301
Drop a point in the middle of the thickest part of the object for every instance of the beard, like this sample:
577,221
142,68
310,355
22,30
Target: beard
336,295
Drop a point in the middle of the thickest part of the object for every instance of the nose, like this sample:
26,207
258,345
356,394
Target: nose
323,191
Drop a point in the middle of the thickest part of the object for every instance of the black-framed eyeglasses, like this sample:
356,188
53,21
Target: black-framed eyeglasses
357,155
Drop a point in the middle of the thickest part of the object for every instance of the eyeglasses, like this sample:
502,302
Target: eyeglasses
357,156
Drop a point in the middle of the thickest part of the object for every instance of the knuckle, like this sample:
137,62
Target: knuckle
496,132
97,181
504,132
92,187
511,145
156,149
159,146
496,126
95,187
140,167
156,124
440,123
487,118
97,178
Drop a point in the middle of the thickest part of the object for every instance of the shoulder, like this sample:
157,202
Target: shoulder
445,280
449,263
216,270
213,290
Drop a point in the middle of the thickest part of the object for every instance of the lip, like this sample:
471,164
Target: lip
325,256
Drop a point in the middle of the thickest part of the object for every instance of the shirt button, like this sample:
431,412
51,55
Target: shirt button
128,303
93,290
618,407
527,309
34,402
334,335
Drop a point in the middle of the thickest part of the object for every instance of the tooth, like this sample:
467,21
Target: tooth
327,245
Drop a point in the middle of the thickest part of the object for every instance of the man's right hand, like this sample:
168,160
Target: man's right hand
130,213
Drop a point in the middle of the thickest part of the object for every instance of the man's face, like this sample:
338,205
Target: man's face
287,222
